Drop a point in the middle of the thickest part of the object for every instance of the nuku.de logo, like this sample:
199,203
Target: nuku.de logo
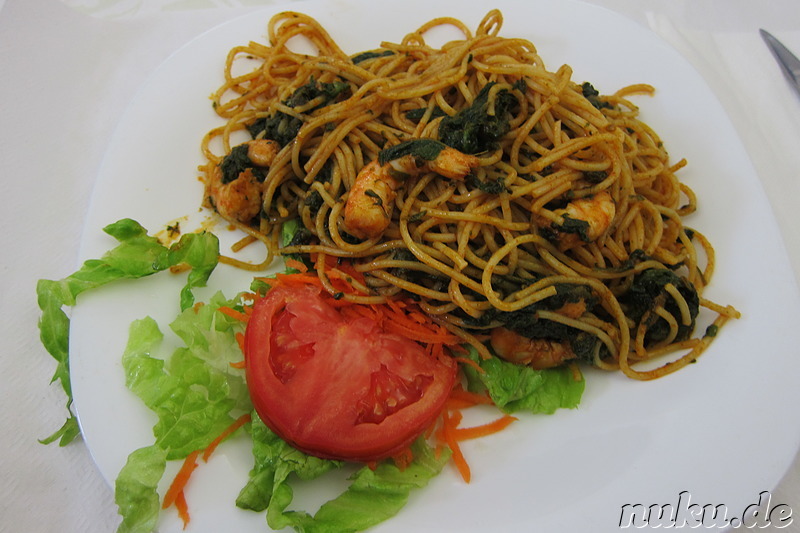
685,514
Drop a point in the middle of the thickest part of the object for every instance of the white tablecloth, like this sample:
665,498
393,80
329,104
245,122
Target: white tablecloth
67,70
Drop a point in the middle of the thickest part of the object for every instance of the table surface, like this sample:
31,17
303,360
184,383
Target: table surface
62,62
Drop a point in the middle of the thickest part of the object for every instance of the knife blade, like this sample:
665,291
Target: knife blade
789,63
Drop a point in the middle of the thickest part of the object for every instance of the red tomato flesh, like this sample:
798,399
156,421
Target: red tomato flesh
336,388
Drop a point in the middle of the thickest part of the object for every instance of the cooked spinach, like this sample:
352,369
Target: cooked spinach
595,176
431,281
527,322
235,163
496,186
647,292
570,225
520,85
417,114
372,54
425,149
635,257
593,95
282,127
403,254
473,130
314,199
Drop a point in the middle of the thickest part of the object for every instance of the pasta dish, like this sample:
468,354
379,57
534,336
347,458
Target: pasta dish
527,213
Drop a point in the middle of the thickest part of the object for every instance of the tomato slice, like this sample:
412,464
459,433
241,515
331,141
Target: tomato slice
336,388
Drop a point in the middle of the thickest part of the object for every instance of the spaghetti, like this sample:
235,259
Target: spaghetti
562,238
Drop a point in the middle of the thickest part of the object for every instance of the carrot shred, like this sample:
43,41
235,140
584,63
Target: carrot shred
233,313
240,340
403,458
239,422
295,264
238,364
467,361
335,263
417,333
175,493
183,508
181,478
471,398
449,423
483,430
301,278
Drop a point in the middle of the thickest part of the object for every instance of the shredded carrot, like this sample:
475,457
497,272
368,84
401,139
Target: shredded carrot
436,350
175,495
360,311
398,321
465,360
415,332
336,263
181,478
447,433
295,264
300,278
240,340
470,398
183,508
484,429
403,458
418,317
239,422
233,313
449,423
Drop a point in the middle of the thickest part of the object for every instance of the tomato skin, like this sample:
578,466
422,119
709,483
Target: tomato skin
336,388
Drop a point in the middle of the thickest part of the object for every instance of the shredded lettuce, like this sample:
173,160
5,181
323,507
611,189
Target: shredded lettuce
194,393
136,487
137,255
515,388
192,399
372,496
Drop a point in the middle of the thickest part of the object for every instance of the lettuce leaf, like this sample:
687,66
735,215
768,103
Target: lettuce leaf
193,393
191,399
372,496
137,255
515,388
210,336
135,490
375,495
274,461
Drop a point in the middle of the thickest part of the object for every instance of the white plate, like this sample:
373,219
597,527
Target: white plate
716,429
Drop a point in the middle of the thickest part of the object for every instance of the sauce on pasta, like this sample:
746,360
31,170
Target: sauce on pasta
527,213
